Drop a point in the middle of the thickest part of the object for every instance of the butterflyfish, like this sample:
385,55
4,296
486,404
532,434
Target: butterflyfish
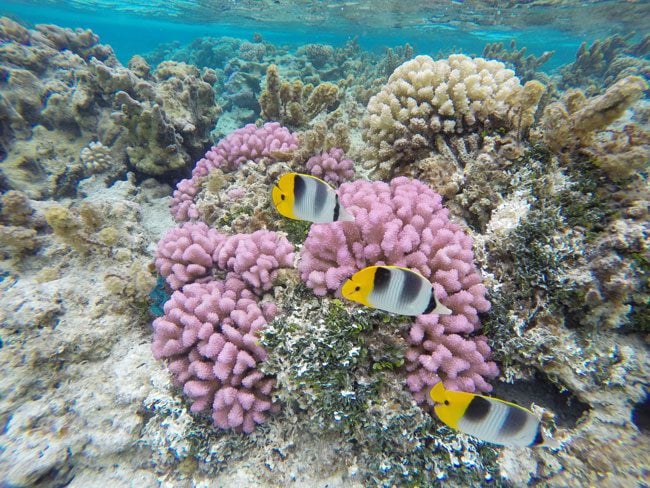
488,419
305,197
393,289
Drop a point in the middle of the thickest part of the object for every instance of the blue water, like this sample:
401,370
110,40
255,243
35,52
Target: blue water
429,26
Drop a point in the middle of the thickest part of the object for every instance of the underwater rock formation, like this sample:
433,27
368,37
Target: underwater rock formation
62,90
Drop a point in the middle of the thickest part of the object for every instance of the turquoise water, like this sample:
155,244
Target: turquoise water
165,321
137,27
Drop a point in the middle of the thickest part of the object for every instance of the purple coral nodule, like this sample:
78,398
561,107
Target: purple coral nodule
331,166
403,223
184,254
209,333
250,143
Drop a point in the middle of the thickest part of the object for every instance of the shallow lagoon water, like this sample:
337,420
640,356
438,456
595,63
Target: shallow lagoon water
211,346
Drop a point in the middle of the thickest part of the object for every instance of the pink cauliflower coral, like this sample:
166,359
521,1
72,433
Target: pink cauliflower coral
184,254
210,333
403,223
193,252
331,166
255,258
250,143
436,353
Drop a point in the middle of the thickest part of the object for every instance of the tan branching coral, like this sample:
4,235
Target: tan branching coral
321,137
16,241
526,66
452,97
605,62
576,123
294,104
83,229
15,208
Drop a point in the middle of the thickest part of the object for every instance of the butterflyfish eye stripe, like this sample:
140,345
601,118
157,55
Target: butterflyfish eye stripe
478,409
299,188
514,422
382,280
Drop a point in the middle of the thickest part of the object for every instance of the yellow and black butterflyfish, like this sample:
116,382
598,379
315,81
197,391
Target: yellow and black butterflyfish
305,197
393,289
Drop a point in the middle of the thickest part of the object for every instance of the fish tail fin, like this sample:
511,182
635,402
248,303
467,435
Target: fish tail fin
442,310
344,215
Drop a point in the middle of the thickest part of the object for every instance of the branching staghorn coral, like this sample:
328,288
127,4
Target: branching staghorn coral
574,123
294,104
427,106
526,67
605,62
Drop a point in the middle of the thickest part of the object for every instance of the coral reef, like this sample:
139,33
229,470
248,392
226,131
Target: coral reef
331,166
209,334
96,157
61,90
556,218
526,67
294,104
572,124
185,254
605,62
427,104
249,143
404,224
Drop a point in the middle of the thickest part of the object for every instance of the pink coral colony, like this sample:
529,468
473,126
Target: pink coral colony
403,223
209,330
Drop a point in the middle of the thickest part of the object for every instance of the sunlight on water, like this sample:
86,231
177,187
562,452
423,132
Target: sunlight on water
428,25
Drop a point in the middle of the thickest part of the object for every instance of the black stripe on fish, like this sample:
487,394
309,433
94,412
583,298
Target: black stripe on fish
382,279
478,409
432,303
514,421
299,189
320,198
411,289
336,208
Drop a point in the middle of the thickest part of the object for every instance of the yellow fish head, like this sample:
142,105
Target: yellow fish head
283,196
449,405
359,286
